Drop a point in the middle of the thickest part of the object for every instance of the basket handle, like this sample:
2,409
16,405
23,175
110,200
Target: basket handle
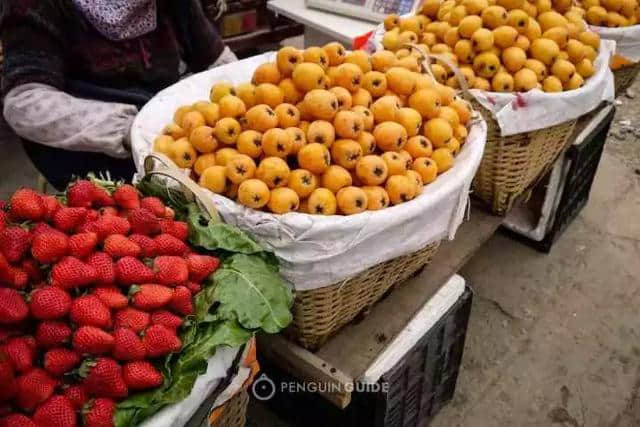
170,170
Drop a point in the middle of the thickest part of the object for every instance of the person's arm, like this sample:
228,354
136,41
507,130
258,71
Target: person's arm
35,105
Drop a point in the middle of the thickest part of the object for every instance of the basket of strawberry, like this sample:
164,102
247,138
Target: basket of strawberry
114,304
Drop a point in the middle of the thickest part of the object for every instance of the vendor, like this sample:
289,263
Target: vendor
75,73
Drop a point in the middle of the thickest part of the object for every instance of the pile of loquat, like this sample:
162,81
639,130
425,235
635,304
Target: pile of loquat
611,13
321,131
502,45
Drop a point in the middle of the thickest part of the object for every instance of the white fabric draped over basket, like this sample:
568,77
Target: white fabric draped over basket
627,40
533,110
317,251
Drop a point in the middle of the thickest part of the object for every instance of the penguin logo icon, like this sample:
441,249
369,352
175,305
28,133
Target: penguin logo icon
263,388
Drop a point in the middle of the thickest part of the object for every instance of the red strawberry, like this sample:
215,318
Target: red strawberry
3,220
130,270
131,318
160,341
57,411
71,272
109,210
170,270
14,243
59,361
119,246
143,221
102,198
51,334
20,353
111,297
154,204
127,345
81,194
103,264
13,309
17,420
169,213
178,229
41,227
181,301
92,340
141,375
7,378
51,206
16,277
126,196
201,266
67,219
107,225
83,244
50,246
89,310
150,297
166,318
99,413
193,287
103,378
26,205
31,267
49,303
146,243
77,395
33,388
168,245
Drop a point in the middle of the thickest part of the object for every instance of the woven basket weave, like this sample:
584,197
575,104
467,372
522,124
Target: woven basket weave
511,165
319,313
235,411
625,76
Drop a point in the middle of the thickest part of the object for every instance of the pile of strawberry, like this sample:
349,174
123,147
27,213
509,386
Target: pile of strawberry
92,294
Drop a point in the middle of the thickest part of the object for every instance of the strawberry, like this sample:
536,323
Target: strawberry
57,411
131,318
49,303
146,243
41,227
99,413
83,244
166,318
193,287
160,341
17,420
3,220
178,229
201,266
20,353
92,340
81,194
49,247
26,205
14,243
126,196
77,395
103,378
51,334
13,309
51,206
71,272
150,297
143,221
7,378
108,210
59,361
67,219
169,213
153,204
127,345
130,270
89,310
141,375
181,301
102,198
31,267
103,264
111,297
33,388
170,270
119,246
16,277
166,244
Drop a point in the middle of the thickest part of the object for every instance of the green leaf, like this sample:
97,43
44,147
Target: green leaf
249,290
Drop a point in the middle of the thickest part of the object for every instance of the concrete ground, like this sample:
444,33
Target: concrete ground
553,340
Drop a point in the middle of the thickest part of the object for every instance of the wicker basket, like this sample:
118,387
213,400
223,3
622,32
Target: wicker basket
319,313
511,165
234,412
625,76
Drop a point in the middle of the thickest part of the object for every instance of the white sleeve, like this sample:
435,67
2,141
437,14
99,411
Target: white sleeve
46,115
226,57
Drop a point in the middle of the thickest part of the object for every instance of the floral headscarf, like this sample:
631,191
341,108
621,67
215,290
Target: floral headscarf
120,19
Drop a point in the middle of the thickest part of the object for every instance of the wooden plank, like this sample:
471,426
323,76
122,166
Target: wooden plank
336,386
355,347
